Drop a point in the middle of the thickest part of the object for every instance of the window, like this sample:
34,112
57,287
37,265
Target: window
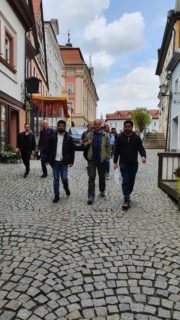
70,88
176,86
154,124
9,48
70,72
3,127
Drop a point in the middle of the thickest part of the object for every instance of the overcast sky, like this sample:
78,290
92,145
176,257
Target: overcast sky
122,37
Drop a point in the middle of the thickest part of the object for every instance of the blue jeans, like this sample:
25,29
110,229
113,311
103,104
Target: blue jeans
60,170
128,173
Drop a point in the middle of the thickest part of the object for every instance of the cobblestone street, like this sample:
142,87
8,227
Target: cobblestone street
73,261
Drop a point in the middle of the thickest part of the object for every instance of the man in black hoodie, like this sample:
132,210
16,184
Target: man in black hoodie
127,146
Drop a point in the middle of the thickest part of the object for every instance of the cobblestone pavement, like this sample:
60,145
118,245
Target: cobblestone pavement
73,261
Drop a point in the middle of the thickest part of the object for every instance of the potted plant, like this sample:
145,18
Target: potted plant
9,154
177,175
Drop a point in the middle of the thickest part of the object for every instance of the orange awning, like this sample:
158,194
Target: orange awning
51,106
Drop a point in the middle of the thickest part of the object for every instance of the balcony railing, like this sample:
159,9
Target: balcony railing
168,162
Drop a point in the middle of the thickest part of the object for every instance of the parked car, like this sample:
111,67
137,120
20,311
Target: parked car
76,133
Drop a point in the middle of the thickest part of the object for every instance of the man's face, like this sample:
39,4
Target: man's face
106,129
45,124
61,127
127,128
89,127
26,127
97,125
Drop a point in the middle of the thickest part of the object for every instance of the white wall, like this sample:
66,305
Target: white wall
154,125
118,124
174,125
54,63
11,83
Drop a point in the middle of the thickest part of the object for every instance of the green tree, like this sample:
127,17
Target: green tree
141,118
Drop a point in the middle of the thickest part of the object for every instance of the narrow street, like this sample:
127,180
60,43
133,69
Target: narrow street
73,261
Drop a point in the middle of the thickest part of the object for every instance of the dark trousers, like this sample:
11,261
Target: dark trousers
43,161
128,172
26,160
107,166
60,170
92,165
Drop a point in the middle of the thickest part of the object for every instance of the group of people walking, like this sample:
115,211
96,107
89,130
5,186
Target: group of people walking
58,150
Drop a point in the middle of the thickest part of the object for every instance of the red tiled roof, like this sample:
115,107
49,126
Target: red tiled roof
119,115
154,113
71,55
126,114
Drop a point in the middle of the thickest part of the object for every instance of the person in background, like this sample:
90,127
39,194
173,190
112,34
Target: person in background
115,135
60,155
89,129
98,153
26,146
127,146
112,140
45,135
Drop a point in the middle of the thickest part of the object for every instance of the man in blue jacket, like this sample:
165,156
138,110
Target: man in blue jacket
60,155
127,146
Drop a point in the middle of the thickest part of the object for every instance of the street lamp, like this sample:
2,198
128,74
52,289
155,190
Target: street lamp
163,88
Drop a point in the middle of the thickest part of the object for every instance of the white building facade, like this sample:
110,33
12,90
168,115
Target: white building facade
54,60
174,105
15,20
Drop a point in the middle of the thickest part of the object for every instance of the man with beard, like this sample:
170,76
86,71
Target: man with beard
60,155
127,146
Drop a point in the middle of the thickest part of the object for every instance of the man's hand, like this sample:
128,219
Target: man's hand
70,165
89,141
115,166
17,150
143,159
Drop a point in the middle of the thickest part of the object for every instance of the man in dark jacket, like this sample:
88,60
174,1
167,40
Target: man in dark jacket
45,135
26,145
60,155
127,146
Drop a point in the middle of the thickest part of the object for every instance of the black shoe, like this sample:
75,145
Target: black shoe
44,175
67,192
56,199
126,205
102,194
90,200
25,174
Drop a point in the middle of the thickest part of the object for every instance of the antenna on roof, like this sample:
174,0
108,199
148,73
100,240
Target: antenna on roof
90,66
69,44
